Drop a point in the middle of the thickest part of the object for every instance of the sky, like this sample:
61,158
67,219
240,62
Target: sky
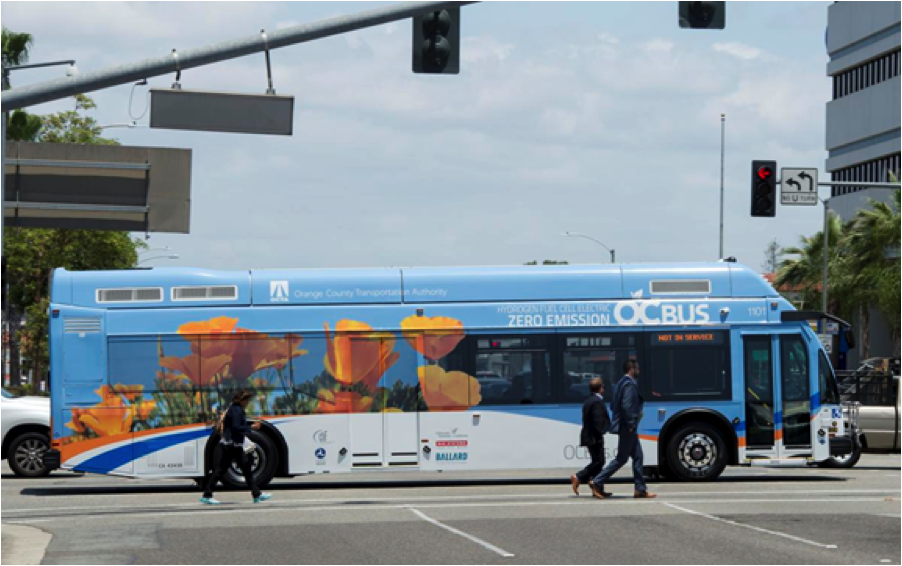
601,118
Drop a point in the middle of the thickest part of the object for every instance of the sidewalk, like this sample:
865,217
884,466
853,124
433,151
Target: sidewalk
23,545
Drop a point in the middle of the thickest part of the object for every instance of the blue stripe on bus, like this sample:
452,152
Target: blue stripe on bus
109,461
118,457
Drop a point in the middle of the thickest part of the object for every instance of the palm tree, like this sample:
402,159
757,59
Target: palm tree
15,51
21,126
804,270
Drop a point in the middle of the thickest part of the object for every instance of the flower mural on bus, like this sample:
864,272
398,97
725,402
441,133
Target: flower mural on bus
448,390
184,378
433,337
121,410
356,354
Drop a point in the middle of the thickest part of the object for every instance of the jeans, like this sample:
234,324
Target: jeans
596,452
222,460
628,446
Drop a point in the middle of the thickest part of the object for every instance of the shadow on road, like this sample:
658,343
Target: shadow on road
281,485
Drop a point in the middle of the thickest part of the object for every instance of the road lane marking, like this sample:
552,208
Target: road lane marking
230,508
468,536
839,496
758,529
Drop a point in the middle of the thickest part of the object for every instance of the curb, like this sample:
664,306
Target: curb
24,545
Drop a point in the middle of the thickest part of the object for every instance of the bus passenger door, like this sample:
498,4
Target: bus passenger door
794,418
760,398
400,420
383,427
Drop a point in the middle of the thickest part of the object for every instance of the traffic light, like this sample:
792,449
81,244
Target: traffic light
436,42
764,188
703,15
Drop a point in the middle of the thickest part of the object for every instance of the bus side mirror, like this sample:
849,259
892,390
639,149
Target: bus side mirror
850,337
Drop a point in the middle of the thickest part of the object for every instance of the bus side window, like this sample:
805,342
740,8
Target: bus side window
514,370
590,356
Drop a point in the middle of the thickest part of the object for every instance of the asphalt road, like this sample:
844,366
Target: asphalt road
749,516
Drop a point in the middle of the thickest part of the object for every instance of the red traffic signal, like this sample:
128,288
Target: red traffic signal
764,189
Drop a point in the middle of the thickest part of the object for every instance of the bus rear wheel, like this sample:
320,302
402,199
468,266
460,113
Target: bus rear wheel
264,463
696,452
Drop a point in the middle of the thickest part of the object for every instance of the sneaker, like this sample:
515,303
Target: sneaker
263,497
209,501
644,495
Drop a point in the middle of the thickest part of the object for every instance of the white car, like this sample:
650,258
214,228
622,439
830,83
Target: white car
26,433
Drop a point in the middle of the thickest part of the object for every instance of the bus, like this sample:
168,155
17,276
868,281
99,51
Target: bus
432,369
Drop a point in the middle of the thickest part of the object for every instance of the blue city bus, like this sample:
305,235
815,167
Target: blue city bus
466,368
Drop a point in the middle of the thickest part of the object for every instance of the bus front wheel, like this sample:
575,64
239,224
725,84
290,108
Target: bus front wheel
696,452
264,462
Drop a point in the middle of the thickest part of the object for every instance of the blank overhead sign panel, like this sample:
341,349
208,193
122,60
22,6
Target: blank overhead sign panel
97,187
178,109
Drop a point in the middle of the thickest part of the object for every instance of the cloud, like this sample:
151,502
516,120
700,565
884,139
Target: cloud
612,132
658,45
739,50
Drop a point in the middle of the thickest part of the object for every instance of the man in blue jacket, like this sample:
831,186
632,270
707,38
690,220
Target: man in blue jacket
626,412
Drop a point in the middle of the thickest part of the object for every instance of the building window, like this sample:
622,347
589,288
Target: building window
865,75
876,171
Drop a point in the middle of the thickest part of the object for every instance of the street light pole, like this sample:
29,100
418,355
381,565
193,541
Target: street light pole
170,256
578,235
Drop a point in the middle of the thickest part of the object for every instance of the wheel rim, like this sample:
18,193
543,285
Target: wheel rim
30,456
697,454
258,464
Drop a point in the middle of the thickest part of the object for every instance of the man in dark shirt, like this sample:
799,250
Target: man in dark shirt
596,424
626,412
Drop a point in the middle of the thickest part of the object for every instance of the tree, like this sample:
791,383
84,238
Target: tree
872,273
32,254
804,271
16,48
20,125
772,255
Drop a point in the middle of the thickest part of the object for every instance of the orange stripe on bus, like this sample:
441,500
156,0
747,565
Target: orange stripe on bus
72,450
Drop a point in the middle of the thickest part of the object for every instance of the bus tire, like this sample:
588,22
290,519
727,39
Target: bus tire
846,462
696,452
264,463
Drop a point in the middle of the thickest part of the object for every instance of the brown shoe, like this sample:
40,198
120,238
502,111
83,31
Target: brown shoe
574,483
598,493
644,495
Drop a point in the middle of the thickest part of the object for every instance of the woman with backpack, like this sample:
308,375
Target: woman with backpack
233,426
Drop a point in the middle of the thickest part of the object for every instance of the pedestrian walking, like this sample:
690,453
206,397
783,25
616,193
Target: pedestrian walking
596,423
626,412
232,438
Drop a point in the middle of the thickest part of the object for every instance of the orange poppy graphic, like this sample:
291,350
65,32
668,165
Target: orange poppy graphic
357,354
200,371
434,337
335,402
130,392
218,325
448,391
109,417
